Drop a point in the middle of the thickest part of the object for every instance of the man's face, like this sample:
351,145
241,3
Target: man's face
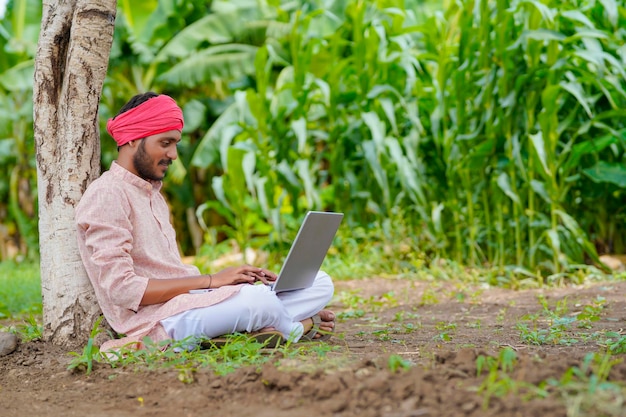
154,155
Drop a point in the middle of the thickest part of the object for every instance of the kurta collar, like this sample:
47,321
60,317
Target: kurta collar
129,177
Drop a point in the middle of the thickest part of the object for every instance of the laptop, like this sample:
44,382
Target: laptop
308,251
306,254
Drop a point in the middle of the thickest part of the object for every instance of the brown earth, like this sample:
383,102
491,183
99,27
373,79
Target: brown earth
442,330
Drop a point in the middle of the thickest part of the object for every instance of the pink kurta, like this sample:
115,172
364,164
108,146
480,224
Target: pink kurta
125,238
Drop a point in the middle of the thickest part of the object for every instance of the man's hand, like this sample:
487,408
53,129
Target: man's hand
241,275
162,290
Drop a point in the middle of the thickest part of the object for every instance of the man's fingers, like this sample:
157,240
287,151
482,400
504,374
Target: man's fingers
243,277
269,275
262,279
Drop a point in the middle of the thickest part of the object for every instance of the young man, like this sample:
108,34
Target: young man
129,250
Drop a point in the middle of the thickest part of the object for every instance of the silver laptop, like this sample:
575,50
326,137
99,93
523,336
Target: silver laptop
308,251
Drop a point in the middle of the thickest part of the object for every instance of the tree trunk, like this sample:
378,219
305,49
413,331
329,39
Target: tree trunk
70,67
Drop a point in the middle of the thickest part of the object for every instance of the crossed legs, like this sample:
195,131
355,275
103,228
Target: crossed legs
256,307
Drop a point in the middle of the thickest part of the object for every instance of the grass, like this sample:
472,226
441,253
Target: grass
20,289
585,389
187,356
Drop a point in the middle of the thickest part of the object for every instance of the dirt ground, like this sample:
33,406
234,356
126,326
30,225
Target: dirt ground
402,349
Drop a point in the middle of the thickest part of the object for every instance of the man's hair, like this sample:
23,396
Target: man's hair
136,101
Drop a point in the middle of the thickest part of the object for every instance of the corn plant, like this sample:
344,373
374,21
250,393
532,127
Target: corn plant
483,123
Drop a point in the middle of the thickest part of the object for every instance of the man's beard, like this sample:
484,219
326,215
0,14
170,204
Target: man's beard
144,165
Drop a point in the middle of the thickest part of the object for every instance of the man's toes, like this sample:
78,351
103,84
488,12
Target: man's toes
327,315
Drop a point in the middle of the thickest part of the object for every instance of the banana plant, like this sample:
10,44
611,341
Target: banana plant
192,51
19,31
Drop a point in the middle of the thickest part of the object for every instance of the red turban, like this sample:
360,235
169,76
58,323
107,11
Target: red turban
156,115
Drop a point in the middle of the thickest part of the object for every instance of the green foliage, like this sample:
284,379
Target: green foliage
560,324
498,381
19,30
492,132
30,329
586,389
476,92
189,355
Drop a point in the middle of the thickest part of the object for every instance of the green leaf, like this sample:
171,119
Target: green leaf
299,129
612,11
504,182
220,193
555,241
579,234
248,166
234,170
388,108
540,188
546,12
214,28
285,170
543,35
19,77
219,137
407,173
539,146
195,114
224,62
592,146
371,156
377,128
137,13
304,172
578,16
602,171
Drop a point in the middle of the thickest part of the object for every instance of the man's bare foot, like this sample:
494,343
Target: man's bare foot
320,326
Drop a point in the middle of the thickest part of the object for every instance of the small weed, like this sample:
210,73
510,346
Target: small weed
446,331
477,324
442,325
404,315
497,382
533,337
186,375
429,297
357,306
615,343
90,353
397,362
350,314
476,297
587,391
501,316
30,330
590,313
382,335
410,327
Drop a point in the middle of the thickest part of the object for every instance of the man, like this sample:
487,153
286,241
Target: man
129,250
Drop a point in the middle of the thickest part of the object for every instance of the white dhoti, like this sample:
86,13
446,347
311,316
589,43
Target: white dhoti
253,308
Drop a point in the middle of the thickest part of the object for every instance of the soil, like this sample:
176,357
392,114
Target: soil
402,349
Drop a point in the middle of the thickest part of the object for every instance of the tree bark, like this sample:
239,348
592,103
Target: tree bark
70,68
